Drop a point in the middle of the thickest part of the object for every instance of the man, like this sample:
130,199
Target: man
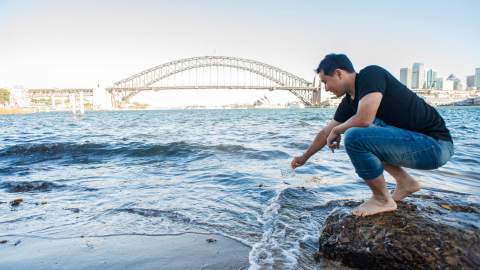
386,126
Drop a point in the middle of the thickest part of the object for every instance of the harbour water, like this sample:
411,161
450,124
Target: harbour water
210,171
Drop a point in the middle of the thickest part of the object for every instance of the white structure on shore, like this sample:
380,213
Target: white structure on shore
19,97
101,99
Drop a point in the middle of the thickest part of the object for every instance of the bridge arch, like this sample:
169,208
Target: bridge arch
124,89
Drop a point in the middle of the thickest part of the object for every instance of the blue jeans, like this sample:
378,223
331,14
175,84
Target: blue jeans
369,147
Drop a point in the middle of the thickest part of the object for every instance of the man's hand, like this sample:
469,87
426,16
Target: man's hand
298,161
333,139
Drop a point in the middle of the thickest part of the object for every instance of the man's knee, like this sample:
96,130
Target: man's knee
353,136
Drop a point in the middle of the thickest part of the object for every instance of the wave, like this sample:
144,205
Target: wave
290,230
30,186
38,186
73,152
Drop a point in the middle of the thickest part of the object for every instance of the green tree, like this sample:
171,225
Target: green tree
4,96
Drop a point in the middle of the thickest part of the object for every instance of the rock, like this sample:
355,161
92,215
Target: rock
16,202
41,203
211,240
3,241
74,210
419,235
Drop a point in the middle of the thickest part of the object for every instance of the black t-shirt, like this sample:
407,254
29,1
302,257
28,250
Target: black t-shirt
400,107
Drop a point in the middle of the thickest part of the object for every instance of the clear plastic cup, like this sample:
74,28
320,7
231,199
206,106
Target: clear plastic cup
287,172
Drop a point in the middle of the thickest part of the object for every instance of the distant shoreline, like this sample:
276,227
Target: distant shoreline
15,111
10,111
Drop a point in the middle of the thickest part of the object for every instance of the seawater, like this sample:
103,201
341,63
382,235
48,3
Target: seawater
218,171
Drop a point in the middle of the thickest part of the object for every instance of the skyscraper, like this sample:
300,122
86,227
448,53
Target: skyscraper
477,78
418,76
431,77
470,82
453,83
406,76
438,84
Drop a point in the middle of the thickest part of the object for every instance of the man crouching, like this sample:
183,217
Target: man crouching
385,126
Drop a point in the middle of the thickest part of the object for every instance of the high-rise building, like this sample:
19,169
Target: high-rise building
418,76
470,82
431,77
477,78
452,83
406,76
438,84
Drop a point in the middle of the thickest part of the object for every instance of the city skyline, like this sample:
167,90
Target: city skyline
421,77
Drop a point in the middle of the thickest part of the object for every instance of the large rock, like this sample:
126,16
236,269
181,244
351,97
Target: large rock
424,233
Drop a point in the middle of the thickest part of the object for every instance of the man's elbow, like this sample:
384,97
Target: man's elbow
364,122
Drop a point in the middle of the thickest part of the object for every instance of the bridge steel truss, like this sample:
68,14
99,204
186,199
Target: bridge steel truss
123,90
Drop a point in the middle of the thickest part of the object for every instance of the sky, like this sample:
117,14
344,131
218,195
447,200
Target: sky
85,43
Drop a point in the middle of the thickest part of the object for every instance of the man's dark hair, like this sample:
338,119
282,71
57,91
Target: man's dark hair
333,61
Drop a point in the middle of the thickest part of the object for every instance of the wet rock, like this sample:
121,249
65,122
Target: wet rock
41,203
211,240
3,241
74,210
16,202
413,237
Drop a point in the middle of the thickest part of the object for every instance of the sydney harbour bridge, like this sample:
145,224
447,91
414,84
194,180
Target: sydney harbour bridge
214,72
202,73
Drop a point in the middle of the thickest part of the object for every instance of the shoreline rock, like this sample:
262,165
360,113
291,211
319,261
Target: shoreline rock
424,233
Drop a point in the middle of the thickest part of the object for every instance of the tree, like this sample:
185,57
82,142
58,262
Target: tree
4,96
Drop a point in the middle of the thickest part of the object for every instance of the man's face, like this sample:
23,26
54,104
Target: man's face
334,82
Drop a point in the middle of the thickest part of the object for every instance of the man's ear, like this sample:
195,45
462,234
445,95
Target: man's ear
339,73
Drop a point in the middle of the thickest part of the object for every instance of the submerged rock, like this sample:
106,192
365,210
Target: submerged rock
211,240
421,234
16,202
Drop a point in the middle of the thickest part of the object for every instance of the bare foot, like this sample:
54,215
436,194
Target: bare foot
405,187
374,206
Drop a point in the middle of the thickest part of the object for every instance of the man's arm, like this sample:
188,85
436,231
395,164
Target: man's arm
318,143
367,110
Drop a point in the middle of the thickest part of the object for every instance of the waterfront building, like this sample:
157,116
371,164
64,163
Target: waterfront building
418,76
470,82
431,77
406,76
438,84
452,83
477,78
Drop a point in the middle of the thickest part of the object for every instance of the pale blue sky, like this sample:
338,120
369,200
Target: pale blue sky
80,43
